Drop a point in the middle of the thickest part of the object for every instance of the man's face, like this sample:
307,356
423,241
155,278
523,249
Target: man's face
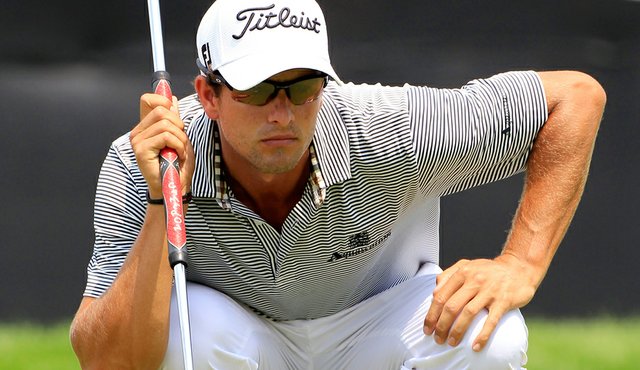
272,138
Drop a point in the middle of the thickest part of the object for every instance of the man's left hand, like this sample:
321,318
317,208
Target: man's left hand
470,286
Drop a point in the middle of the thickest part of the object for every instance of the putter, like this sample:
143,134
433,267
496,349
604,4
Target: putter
171,190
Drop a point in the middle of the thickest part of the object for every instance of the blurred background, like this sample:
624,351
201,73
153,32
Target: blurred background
71,74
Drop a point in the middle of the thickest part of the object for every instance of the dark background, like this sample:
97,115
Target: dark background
71,74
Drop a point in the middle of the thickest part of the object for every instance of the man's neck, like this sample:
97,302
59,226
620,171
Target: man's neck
271,196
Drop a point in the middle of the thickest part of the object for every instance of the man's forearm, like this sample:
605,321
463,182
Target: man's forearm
556,170
128,326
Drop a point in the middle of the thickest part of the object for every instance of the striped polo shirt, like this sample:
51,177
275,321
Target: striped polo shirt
369,217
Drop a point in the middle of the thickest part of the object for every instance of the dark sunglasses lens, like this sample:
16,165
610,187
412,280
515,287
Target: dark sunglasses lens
306,91
299,93
257,95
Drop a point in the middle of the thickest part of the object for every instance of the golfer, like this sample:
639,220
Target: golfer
312,209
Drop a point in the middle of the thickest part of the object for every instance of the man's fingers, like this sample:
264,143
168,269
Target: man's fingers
467,314
152,146
154,107
493,318
167,139
441,298
160,121
446,274
155,139
174,106
463,303
149,101
441,294
158,114
160,126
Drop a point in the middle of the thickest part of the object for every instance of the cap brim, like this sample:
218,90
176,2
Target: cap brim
248,71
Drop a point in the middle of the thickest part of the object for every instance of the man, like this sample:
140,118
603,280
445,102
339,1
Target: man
313,228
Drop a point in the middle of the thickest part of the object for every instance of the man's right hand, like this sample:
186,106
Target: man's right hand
160,126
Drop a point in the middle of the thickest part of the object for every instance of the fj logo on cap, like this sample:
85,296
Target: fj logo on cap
257,19
206,54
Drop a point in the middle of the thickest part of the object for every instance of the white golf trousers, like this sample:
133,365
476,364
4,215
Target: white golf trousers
383,332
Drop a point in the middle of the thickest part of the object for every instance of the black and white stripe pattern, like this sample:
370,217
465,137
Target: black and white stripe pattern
385,155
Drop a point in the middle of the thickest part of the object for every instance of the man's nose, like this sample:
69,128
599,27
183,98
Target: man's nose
281,111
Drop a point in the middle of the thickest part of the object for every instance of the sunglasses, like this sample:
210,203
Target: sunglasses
301,90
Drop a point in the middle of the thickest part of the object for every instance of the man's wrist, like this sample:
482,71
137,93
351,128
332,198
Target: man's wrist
534,272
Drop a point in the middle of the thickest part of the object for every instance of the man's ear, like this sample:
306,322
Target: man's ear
207,96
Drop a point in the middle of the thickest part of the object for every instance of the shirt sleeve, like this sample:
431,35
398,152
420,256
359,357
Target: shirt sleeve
477,134
119,211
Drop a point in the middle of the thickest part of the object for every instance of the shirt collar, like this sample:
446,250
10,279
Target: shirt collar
328,154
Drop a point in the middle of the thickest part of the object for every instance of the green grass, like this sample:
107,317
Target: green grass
585,344
36,347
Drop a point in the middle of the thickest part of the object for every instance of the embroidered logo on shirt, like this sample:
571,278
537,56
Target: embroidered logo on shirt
507,116
359,243
358,240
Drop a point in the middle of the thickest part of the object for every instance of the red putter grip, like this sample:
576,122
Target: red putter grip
171,187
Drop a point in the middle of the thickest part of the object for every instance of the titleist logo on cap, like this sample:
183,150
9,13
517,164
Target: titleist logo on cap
257,19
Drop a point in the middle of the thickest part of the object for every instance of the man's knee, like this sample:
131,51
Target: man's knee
507,347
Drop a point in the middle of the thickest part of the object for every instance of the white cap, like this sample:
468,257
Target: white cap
248,41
